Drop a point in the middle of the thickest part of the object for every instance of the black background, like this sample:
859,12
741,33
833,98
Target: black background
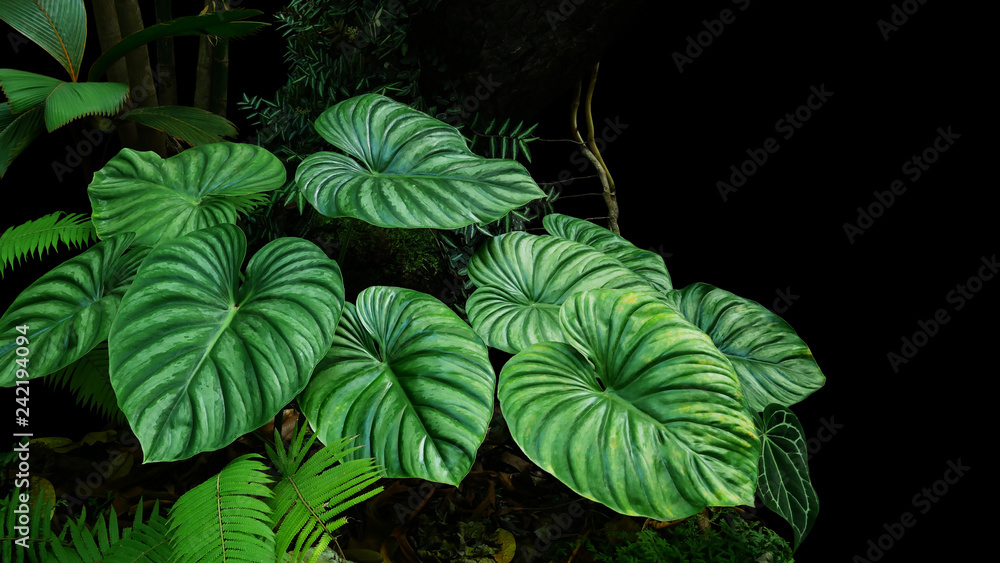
782,232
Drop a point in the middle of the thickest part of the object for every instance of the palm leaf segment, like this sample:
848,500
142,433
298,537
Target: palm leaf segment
64,101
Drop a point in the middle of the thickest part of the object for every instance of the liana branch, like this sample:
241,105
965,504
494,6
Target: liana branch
590,151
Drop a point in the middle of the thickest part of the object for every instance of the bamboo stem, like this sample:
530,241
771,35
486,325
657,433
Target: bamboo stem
220,75
203,72
108,34
140,75
165,61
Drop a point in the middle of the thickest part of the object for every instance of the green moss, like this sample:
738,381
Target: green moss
725,537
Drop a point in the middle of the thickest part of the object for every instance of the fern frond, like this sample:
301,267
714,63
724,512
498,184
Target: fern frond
144,542
89,381
84,547
35,238
246,203
311,493
221,520
39,527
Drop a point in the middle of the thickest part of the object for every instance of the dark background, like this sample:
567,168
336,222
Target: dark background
878,436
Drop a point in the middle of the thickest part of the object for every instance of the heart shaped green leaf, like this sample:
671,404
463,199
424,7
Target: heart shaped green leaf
68,310
647,264
411,170
411,379
649,420
784,483
522,280
160,199
774,364
197,359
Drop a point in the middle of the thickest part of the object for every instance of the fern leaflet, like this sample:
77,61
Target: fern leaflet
501,141
221,519
35,238
13,538
311,494
144,542
244,204
90,383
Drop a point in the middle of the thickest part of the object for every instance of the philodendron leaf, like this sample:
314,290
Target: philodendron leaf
68,310
774,364
160,199
784,483
409,170
411,379
58,26
198,359
647,264
522,280
649,420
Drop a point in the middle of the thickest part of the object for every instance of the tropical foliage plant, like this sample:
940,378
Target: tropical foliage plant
336,50
607,352
240,514
388,177
664,384
37,103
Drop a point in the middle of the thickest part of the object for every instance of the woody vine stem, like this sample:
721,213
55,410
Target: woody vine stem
589,149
